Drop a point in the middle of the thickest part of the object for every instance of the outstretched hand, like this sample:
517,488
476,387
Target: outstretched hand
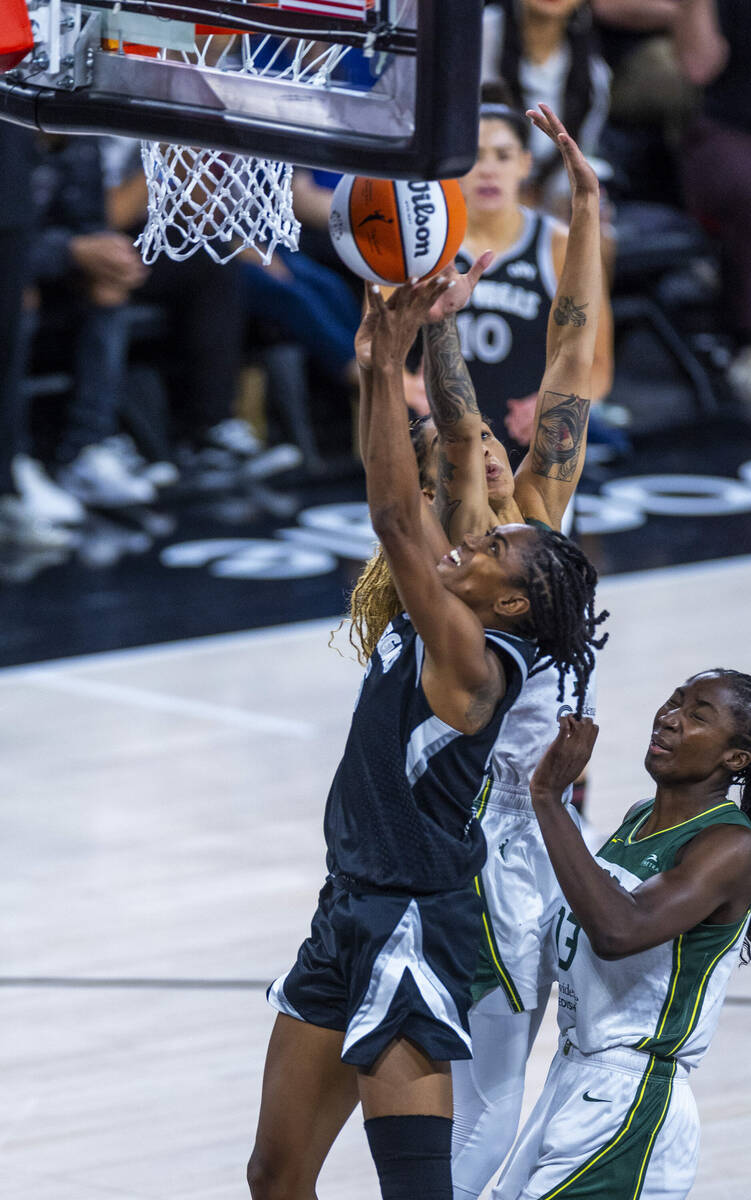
392,325
460,287
564,760
444,294
581,176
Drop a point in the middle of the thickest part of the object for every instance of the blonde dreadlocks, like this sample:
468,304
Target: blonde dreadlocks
373,602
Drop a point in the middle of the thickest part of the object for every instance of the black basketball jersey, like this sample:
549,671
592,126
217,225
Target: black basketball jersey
399,812
503,328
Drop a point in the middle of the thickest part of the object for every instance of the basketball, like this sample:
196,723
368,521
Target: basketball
389,231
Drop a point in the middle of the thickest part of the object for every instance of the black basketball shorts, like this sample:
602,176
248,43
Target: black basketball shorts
383,965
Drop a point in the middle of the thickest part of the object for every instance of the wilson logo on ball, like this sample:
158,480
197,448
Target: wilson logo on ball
389,231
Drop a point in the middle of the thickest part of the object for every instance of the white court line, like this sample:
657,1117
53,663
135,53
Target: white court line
677,571
159,702
293,630
206,644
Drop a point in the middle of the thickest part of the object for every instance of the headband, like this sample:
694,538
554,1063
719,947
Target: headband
504,111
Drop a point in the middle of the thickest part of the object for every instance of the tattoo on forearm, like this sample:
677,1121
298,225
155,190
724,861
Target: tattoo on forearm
445,506
447,379
559,436
446,515
567,312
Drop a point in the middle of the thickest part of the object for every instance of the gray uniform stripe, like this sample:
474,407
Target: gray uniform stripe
427,739
279,1001
511,649
402,952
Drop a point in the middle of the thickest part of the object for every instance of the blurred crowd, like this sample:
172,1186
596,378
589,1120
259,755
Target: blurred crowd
122,385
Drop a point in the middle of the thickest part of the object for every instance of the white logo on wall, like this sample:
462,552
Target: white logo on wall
249,558
325,535
330,532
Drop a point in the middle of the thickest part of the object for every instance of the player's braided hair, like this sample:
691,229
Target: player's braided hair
373,602
560,583
740,706
740,688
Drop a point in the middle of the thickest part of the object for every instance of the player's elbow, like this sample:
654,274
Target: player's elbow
607,947
392,522
570,355
616,942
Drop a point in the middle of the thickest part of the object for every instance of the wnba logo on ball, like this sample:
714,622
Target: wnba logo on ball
389,230
423,211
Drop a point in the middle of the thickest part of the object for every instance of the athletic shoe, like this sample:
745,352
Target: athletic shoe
41,496
99,477
284,457
22,526
234,435
231,447
160,474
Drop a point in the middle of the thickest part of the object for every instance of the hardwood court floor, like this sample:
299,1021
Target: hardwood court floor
160,860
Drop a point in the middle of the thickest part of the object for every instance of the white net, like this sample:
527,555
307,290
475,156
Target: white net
227,203
224,203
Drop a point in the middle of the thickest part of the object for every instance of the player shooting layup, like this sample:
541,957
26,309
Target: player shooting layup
375,1006
474,489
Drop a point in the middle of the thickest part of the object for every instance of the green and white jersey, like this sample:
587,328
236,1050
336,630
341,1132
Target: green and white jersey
665,1001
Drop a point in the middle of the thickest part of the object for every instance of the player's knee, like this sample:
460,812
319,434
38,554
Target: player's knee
270,1176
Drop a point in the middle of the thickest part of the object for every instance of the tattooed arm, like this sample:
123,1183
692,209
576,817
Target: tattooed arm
549,473
602,365
461,500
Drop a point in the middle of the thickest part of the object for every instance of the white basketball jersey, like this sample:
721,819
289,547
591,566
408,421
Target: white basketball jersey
665,1001
530,726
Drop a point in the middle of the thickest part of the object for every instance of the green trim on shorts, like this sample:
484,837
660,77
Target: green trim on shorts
491,970
481,802
619,1168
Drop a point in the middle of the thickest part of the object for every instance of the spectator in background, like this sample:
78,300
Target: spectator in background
88,273
503,327
713,44
203,301
546,50
650,99
31,505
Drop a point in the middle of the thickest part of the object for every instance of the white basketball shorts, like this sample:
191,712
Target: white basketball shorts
621,1125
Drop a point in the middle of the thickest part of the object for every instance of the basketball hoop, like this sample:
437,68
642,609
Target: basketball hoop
228,203
228,93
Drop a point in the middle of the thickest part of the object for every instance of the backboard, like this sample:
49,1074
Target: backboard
372,87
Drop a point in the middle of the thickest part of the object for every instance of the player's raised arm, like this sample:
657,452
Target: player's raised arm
549,472
467,679
461,493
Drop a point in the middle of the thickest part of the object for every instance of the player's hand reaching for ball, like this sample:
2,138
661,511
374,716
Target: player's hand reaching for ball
460,287
581,176
564,760
393,324
454,294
